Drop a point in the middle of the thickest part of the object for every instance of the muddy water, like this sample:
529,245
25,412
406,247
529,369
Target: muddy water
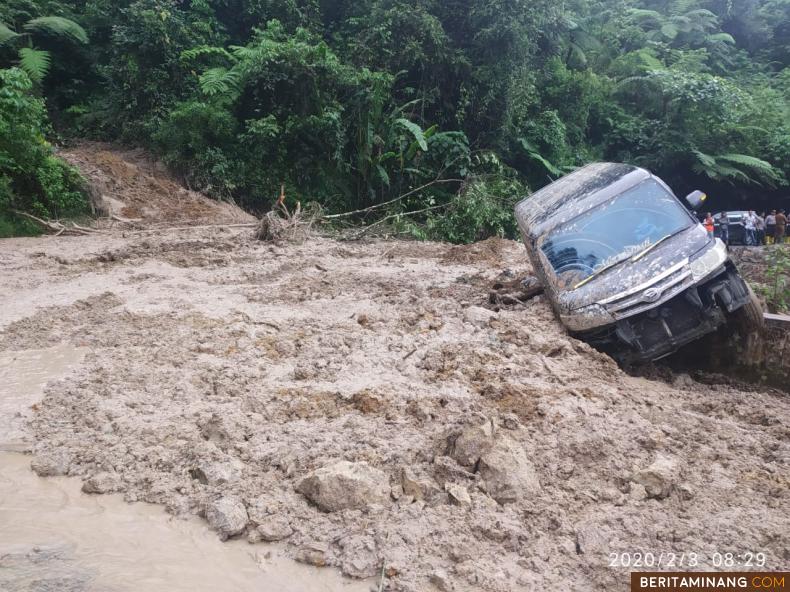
53,537
23,375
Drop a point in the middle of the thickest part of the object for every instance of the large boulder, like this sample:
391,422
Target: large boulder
345,485
227,516
507,472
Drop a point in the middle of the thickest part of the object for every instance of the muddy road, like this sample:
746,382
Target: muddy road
229,378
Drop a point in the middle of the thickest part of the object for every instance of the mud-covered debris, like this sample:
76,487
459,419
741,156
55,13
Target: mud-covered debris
360,556
46,465
217,473
275,528
442,581
472,443
313,553
478,316
345,485
660,478
507,472
418,488
227,516
459,495
102,483
507,292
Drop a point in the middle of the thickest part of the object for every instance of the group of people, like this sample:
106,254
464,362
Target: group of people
762,229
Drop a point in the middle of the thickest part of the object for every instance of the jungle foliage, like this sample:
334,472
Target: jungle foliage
355,103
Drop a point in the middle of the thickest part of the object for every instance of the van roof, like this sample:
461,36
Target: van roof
573,194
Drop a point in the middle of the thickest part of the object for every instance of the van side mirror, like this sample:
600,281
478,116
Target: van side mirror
695,199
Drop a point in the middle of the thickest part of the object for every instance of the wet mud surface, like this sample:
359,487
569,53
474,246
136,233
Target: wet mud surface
220,373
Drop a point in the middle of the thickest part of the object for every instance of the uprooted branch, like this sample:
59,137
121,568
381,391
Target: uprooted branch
58,228
282,225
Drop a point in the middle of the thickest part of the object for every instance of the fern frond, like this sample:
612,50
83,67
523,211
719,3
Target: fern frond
59,27
7,34
721,38
219,81
35,62
206,50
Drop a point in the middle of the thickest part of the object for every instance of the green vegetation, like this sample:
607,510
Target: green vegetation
776,290
353,104
32,179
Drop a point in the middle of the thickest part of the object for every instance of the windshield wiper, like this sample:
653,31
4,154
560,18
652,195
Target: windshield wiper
633,259
599,272
645,251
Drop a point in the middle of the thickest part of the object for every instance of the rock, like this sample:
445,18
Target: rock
459,495
507,472
345,485
259,510
50,465
472,443
312,554
659,479
102,483
417,488
217,473
478,316
275,528
637,492
227,516
253,536
441,580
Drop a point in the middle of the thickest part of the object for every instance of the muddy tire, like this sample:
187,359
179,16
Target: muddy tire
749,318
748,324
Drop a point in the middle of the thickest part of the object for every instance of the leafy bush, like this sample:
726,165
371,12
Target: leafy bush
483,209
32,179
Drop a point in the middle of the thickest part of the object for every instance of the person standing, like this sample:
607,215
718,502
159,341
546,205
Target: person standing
759,228
779,230
708,224
770,227
748,226
724,228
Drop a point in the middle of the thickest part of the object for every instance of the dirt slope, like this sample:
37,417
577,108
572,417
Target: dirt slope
511,457
128,184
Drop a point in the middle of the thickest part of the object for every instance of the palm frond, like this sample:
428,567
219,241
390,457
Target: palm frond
7,34
35,62
59,27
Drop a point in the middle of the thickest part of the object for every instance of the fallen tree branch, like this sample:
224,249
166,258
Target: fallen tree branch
56,228
392,201
365,229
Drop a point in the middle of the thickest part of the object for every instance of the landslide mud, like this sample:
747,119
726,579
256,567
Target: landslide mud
218,366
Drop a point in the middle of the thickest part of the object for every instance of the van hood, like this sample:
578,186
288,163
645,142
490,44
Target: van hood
681,247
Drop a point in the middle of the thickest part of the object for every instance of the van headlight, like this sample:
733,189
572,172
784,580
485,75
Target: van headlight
710,261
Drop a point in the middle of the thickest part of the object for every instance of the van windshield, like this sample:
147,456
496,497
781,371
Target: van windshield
620,228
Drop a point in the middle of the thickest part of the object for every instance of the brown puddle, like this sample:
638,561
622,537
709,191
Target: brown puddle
53,537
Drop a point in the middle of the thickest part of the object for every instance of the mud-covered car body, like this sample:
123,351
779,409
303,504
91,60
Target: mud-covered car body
625,265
